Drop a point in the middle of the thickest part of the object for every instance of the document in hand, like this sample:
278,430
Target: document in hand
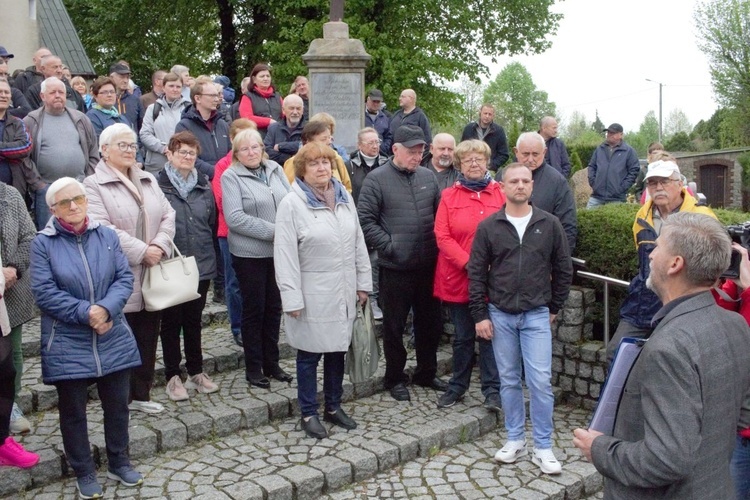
609,400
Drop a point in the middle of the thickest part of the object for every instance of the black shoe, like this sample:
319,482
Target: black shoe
258,381
279,374
341,419
399,392
313,428
237,338
437,384
492,402
448,399
218,296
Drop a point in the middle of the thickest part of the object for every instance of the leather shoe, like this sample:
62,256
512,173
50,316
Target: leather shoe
399,392
279,375
313,428
341,419
259,381
437,384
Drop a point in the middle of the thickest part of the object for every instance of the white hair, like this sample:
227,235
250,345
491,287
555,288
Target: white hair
59,185
51,79
531,135
115,131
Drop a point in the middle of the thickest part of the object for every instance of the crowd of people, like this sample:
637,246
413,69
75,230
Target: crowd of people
286,223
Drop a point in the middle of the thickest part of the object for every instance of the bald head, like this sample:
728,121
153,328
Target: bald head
51,66
37,59
407,100
442,148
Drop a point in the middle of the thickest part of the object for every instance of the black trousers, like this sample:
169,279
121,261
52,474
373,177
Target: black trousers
145,326
399,292
261,313
185,318
7,385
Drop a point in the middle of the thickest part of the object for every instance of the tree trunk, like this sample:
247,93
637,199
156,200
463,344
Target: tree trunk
228,42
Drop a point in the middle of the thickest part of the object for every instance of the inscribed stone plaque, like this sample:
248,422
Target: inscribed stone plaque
341,96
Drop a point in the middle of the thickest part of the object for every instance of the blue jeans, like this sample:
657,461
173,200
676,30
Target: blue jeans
41,210
307,381
113,393
517,338
463,353
740,468
231,289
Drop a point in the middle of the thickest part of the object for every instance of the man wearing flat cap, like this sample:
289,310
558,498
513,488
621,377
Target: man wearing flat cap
128,103
612,169
376,118
397,206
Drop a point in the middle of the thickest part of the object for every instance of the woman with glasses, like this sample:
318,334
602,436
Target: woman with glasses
462,207
81,282
189,193
129,200
103,112
252,189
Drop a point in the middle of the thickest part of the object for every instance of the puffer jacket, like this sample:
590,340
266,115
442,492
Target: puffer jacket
321,261
112,204
213,135
641,304
194,222
155,135
610,177
15,148
69,274
397,213
358,170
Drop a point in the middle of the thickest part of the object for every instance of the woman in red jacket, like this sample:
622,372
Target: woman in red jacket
474,197
735,296
261,103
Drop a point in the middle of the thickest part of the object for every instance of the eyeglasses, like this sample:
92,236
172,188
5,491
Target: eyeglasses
124,146
187,154
474,161
106,92
659,182
212,96
65,204
372,143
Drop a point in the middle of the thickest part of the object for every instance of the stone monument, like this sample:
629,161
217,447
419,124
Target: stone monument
337,77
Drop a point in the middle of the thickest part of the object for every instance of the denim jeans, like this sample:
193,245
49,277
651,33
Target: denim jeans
183,318
113,393
463,353
740,468
307,381
525,338
41,210
231,289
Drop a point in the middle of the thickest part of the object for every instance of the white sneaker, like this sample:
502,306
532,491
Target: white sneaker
511,451
18,423
175,390
546,461
377,313
201,383
145,406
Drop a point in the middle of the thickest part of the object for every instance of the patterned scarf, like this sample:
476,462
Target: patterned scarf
112,112
326,196
182,185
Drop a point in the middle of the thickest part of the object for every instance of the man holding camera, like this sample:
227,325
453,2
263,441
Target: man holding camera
668,195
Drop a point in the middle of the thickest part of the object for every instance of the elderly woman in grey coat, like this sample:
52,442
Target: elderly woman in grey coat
323,273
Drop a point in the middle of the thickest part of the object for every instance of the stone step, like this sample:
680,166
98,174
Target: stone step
204,417
400,449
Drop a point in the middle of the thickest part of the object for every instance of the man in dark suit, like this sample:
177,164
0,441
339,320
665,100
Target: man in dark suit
676,424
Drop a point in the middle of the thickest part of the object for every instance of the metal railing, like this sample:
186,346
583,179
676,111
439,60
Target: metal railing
607,281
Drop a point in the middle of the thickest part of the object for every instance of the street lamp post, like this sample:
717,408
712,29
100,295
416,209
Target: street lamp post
660,101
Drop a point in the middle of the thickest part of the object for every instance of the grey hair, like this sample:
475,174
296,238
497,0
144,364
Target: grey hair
113,131
702,242
546,121
49,80
179,69
533,136
60,184
366,130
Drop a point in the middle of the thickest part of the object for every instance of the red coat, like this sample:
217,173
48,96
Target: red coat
458,215
220,167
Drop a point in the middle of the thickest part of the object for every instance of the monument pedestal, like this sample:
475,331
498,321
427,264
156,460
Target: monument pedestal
337,80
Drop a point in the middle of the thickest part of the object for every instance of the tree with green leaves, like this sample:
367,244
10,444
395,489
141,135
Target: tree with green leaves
677,122
420,45
517,100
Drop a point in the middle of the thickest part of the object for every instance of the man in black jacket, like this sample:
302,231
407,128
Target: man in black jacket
284,137
485,129
520,261
397,207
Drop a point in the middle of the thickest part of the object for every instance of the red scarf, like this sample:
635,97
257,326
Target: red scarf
70,228
269,92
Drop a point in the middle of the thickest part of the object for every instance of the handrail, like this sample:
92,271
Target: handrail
607,281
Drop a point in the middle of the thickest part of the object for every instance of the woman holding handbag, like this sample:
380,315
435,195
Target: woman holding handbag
323,272
189,193
252,189
129,200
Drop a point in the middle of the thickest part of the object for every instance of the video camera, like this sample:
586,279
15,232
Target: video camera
740,233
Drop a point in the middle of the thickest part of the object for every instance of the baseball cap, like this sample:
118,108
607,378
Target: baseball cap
119,68
615,128
662,168
408,136
375,95
5,53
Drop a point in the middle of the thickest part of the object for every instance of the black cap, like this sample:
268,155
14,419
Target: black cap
375,95
5,53
119,68
408,136
615,128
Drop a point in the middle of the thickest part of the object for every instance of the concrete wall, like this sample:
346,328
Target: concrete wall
20,35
